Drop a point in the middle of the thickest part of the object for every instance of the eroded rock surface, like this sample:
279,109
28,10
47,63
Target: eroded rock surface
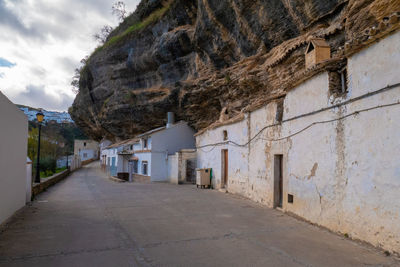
203,56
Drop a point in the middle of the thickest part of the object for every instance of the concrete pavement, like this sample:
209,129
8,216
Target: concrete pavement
89,220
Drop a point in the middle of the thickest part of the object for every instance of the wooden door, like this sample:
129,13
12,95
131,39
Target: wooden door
225,152
278,180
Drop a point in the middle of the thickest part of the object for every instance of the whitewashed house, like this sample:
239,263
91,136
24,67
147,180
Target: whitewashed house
13,159
157,145
146,156
327,152
110,156
118,157
86,149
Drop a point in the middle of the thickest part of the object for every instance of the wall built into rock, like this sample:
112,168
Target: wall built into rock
340,164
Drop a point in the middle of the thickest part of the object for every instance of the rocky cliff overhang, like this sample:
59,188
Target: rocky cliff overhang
197,58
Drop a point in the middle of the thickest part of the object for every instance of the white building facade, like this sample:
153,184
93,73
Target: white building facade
331,159
13,159
146,156
86,149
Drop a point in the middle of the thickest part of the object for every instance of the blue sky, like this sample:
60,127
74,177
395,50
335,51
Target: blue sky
43,41
5,63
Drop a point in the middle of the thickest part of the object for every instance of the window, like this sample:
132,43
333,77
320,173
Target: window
84,155
84,144
135,166
225,135
144,167
343,79
131,147
279,111
144,143
338,81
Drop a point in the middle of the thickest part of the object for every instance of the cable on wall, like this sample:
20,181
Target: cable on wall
387,88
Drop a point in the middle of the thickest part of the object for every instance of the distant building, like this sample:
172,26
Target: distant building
86,149
146,156
13,158
116,158
49,116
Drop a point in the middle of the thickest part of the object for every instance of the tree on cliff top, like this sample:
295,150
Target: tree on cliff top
77,75
119,9
103,34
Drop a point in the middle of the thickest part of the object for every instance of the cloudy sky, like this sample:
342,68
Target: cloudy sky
43,41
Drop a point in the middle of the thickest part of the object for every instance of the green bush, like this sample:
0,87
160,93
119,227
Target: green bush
48,164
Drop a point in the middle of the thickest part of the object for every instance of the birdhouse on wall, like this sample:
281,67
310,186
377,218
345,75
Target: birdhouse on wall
317,51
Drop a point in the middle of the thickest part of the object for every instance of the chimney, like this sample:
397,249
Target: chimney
170,119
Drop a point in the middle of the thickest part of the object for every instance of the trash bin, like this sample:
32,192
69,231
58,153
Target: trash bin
203,178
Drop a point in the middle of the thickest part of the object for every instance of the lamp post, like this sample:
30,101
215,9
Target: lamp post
39,117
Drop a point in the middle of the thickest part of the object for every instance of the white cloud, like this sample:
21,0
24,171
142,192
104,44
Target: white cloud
46,40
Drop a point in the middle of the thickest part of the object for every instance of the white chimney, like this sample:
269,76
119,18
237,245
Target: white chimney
170,119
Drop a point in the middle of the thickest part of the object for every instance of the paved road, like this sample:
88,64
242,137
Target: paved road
88,220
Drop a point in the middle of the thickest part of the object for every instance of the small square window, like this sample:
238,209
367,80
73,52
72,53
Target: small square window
290,198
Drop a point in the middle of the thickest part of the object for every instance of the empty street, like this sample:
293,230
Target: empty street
89,220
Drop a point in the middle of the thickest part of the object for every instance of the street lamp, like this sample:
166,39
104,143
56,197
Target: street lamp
39,117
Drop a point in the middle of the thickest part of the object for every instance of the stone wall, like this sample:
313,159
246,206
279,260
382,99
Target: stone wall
181,166
50,181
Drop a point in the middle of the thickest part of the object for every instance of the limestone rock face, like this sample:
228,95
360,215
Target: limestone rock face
201,56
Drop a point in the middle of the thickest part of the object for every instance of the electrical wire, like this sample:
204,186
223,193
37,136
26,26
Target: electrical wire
389,87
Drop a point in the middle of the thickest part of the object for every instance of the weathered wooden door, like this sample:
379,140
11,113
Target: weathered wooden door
225,167
278,180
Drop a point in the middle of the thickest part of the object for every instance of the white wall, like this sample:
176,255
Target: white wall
344,174
145,156
211,157
90,154
13,152
159,168
179,136
167,142
173,168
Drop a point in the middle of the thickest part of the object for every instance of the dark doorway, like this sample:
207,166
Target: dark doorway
225,167
278,181
190,171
